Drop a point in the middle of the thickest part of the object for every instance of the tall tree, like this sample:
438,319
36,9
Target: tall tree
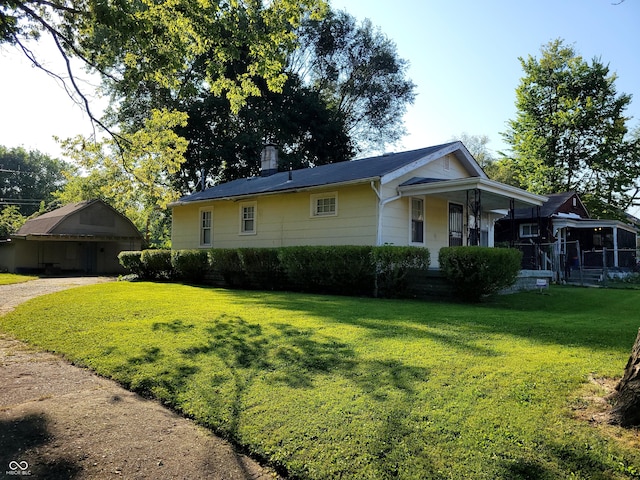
314,120
29,178
357,70
570,131
224,146
137,181
146,40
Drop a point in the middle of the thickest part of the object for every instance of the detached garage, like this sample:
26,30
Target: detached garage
79,238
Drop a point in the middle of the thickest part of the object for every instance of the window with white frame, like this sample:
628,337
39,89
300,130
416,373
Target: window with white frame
417,220
248,218
529,230
206,227
324,205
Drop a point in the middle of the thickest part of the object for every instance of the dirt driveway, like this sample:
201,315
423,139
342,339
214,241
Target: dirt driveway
58,421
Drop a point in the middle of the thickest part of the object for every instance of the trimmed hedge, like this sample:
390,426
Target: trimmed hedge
131,260
226,261
262,268
478,271
393,264
190,265
157,264
345,270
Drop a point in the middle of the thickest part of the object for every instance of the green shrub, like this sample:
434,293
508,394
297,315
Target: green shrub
262,268
392,264
345,269
478,271
157,264
226,261
132,262
190,265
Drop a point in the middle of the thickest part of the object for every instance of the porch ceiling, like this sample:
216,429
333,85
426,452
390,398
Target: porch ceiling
493,195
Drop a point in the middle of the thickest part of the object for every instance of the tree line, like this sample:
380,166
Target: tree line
197,89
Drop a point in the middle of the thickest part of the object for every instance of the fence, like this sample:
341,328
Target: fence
570,259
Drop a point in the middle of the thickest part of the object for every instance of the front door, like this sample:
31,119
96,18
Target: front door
455,225
89,257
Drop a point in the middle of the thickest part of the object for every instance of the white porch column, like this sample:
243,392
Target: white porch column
615,246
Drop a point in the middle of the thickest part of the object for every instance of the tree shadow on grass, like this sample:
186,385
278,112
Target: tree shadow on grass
162,383
571,317
19,437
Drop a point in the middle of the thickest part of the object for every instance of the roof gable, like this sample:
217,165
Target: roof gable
385,167
90,217
557,203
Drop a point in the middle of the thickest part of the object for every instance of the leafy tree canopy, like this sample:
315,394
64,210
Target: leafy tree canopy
356,69
309,122
144,40
29,178
10,220
136,181
570,131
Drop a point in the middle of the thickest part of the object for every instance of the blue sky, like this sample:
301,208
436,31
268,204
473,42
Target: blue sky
463,56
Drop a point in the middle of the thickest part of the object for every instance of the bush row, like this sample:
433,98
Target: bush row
348,270
478,271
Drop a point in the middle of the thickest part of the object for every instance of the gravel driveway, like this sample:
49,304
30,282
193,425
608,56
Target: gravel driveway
59,421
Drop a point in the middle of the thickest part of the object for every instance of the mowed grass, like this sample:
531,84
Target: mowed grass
10,278
333,387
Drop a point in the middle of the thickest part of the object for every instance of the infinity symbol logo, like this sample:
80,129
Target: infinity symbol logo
18,465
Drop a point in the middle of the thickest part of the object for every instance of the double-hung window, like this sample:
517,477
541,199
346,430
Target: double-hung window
206,227
324,205
528,230
417,220
248,218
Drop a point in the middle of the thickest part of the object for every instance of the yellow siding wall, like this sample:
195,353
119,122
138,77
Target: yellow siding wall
283,220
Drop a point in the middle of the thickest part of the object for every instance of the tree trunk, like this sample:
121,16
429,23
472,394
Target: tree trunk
626,398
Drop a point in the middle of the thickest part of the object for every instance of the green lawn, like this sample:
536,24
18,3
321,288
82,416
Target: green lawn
332,387
9,278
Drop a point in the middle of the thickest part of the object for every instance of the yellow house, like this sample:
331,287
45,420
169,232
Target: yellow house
431,197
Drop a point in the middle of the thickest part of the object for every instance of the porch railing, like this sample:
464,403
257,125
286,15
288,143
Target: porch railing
573,260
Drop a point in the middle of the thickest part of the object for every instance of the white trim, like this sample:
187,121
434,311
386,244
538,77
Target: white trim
235,198
424,220
201,227
313,204
457,148
529,235
241,208
470,183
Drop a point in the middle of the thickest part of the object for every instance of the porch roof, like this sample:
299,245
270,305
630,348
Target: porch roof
587,223
493,195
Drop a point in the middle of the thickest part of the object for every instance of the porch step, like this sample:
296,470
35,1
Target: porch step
590,276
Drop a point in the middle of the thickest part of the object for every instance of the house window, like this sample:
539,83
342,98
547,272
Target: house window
417,220
324,205
529,230
248,218
206,230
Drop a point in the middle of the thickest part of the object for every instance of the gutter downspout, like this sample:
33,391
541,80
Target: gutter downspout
381,203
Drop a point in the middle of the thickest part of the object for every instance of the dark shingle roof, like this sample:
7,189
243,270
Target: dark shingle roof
335,173
45,223
550,207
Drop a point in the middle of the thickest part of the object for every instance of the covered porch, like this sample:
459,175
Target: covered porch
594,243
474,205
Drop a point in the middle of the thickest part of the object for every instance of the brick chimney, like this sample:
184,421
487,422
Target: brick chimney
269,159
